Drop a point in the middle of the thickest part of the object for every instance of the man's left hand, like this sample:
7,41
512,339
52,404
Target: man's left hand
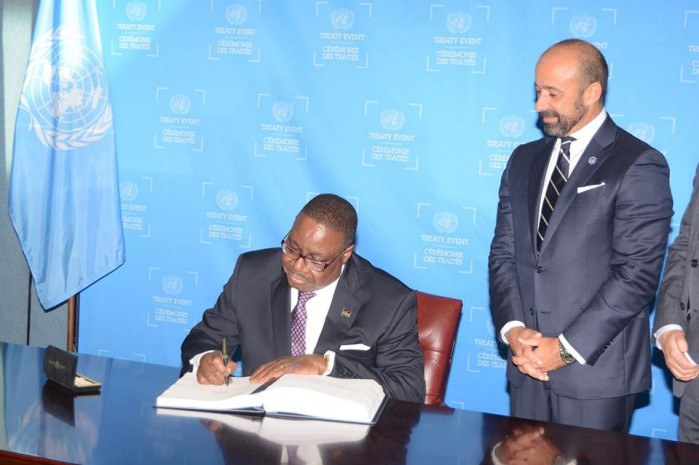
549,354
301,365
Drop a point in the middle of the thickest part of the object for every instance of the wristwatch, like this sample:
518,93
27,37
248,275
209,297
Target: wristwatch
565,355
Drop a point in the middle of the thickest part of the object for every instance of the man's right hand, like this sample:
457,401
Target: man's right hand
211,369
522,343
674,344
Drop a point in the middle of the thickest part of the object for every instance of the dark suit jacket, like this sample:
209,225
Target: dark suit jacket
598,266
253,311
680,285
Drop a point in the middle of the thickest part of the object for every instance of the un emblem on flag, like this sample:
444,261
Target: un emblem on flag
65,91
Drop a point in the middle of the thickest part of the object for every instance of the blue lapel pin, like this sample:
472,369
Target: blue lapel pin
592,160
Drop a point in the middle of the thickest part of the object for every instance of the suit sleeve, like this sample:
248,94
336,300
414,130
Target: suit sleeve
505,297
668,306
640,222
399,366
216,323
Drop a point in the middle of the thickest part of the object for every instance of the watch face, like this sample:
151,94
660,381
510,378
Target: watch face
565,355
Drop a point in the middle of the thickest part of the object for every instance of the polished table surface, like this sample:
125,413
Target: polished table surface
42,424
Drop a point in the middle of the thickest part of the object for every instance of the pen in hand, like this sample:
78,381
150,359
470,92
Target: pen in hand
224,351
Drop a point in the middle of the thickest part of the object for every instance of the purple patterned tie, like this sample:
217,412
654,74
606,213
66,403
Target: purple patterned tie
298,323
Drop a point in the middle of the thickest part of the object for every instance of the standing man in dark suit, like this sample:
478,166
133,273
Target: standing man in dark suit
358,321
581,232
677,319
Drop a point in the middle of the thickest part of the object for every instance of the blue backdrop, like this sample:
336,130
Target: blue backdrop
229,116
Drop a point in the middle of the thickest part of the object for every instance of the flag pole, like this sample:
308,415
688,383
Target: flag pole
72,324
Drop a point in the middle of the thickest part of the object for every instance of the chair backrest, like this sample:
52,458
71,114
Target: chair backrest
437,324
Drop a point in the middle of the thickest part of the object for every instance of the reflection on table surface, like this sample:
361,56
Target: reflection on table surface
121,426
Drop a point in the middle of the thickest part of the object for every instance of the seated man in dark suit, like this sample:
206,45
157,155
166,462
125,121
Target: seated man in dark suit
352,320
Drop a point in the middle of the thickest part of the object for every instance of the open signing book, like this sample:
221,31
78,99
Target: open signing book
309,396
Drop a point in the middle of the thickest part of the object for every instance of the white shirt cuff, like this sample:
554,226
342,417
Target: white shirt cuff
330,361
664,329
508,326
194,361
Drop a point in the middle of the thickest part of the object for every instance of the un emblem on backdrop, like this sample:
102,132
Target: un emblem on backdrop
282,111
511,126
644,131
236,14
342,18
392,119
136,11
180,104
65,91
128,191
583,26
445,222
172,284
458,22
226,200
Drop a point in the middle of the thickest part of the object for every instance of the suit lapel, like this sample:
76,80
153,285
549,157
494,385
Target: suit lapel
536,184
592,159
344,308
281,316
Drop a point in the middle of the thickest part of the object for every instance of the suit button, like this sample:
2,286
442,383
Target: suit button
682,305
531,311
693,263
539,269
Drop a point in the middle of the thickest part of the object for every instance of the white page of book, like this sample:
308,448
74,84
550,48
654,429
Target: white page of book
188,393
354,400
315,396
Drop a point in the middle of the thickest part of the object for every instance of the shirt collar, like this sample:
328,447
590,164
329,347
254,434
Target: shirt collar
584,135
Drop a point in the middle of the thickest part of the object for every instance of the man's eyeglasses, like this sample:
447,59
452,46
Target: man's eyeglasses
313,265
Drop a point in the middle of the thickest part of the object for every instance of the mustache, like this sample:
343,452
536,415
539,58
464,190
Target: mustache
296,276
548,114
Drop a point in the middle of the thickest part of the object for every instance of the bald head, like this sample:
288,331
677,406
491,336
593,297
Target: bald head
592,66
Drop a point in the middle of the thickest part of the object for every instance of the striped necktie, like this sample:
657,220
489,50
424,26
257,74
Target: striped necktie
559,177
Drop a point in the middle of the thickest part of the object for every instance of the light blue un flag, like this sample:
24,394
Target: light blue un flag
64,191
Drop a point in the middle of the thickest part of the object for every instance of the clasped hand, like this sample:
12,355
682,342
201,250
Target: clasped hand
534,354
212,371
675,347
